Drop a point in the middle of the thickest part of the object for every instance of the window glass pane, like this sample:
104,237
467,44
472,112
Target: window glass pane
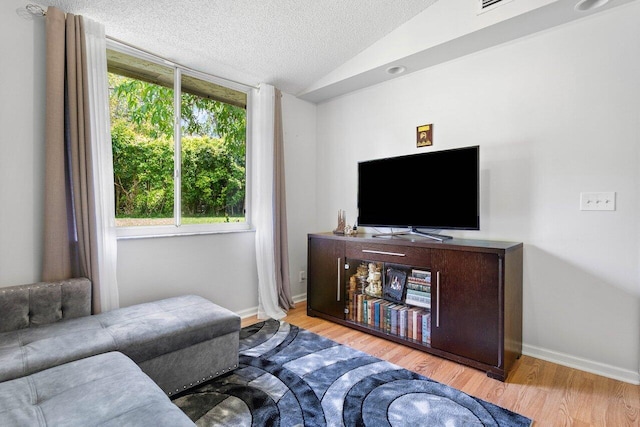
213,151
141,106
210,180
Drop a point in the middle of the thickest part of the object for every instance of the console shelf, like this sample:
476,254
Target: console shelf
475,311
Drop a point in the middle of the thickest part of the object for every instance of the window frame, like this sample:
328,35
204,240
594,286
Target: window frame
179,229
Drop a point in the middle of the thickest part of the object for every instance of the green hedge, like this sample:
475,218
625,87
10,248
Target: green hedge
212,177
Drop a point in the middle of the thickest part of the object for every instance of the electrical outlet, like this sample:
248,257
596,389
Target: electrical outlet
302,276
602,201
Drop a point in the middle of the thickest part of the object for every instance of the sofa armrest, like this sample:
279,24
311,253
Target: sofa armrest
24,306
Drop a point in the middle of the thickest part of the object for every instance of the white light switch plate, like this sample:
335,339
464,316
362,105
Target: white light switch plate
601,201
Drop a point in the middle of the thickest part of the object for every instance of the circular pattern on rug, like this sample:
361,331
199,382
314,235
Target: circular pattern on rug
389,404
291,377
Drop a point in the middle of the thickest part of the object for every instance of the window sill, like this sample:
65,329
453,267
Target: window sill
155,232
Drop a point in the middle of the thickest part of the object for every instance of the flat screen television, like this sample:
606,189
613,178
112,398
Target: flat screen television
438,190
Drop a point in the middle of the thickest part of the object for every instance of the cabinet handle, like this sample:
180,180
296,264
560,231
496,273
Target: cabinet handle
369,251
437,299
501,305
339,262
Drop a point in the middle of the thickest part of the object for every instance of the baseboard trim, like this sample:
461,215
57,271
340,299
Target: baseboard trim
248,312
299,298
586,365
253,311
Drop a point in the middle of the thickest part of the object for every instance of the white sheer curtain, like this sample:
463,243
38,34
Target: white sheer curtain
262,143
102,162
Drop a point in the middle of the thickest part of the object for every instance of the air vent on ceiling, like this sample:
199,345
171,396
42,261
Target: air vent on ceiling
485,5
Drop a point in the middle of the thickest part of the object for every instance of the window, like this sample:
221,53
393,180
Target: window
179,142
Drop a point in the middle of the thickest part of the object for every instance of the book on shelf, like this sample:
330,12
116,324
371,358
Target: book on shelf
365,309
418,298
419,287
419,293
385,316
426,328
351,305
402,320
419,303
418,281
388,317
410,323
415,315
394,319
377,304
371,301
369,311
423,276
422,317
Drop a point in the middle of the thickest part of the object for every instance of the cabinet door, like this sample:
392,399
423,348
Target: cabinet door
325,282
467,304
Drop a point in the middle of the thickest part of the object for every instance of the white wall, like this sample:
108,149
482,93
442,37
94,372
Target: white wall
555,113
220,267
299,124
22,85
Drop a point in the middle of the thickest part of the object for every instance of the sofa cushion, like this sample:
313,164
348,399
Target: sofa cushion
46,302
108,389
31,350
142,332
149,330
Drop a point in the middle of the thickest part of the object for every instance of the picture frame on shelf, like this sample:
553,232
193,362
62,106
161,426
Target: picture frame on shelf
394,286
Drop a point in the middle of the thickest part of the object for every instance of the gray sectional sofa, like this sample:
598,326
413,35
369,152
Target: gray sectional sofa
60,365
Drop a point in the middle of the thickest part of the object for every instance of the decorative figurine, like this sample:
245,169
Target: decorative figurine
351,231
342,222
374,279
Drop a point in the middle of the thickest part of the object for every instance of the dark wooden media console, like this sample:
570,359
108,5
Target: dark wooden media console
469,307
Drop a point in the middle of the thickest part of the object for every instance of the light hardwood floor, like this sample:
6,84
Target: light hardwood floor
550,394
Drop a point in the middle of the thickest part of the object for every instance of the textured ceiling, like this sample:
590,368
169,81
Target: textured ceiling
287,43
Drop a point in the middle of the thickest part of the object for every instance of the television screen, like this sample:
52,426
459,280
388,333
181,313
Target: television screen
434,190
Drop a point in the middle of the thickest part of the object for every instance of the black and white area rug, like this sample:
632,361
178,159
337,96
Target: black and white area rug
292,377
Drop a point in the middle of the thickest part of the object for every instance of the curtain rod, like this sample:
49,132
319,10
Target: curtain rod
37,10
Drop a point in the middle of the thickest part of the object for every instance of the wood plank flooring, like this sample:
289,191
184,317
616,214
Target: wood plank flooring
550,394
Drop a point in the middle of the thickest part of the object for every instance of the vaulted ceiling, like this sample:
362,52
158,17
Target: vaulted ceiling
287,43
319,49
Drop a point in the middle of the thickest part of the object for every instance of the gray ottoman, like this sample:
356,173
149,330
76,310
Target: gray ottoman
105,390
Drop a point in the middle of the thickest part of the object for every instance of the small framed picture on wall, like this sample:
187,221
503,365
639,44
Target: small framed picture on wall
424,135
